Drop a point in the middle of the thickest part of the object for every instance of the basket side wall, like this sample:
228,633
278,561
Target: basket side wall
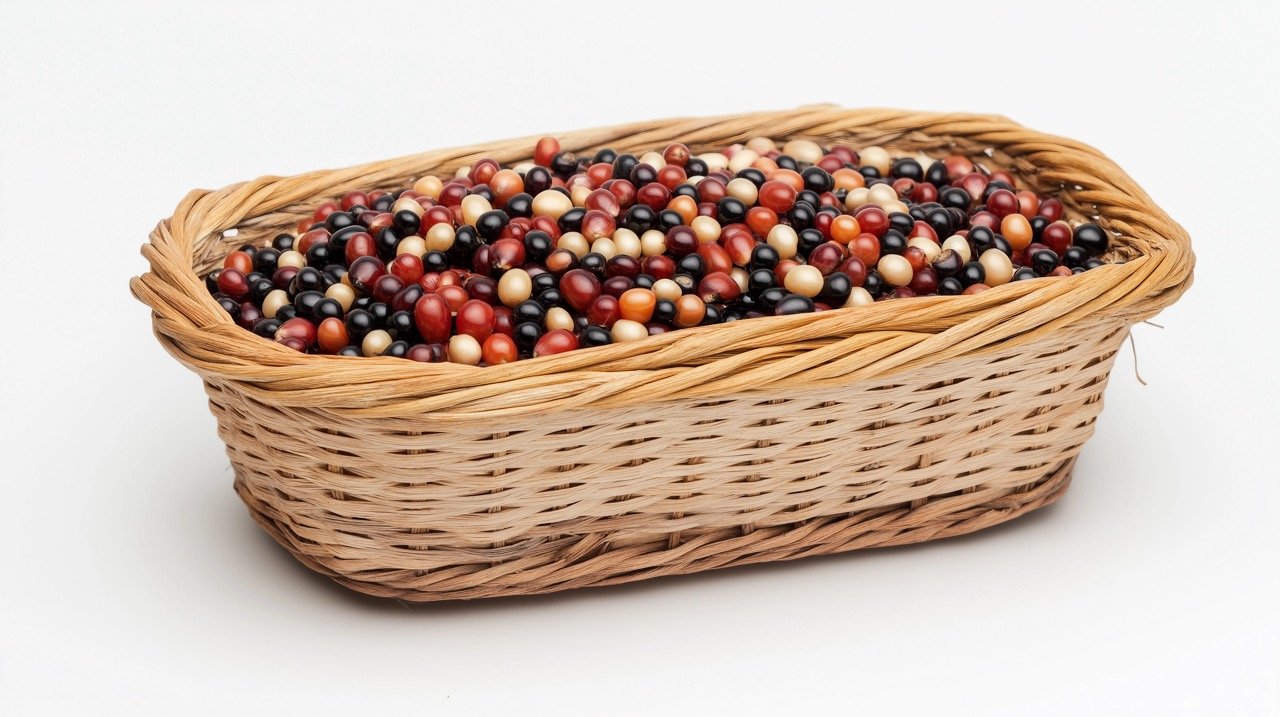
573,498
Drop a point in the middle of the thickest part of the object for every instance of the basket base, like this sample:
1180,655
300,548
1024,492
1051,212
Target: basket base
932,519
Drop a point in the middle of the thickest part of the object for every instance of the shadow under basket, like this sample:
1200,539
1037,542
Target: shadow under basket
767,439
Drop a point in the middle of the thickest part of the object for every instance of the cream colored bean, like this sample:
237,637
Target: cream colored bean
742,159
743,190
877,157
291,258
653,243
653,159
413,244
605,247
440,237
959,245
895,269
558,318
997,266
667,289
551,203
715,160
514,287
859,297
625,330
272,302
928,246
375,342
707,229
761,145
804,280
804,150
574,242
409,203
464,349
473,205
783,238
429,186
882,194
627,242
856,198
343,294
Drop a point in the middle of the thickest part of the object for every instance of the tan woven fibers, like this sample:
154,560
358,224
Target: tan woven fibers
757,440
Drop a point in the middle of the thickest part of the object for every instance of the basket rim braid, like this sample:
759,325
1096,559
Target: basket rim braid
836,347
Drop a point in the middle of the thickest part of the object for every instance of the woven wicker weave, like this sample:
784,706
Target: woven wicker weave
759,440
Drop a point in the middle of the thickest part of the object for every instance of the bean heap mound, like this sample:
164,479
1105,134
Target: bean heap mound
496,264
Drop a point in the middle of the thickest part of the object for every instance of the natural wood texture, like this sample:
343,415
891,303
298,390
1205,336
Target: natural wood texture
758,440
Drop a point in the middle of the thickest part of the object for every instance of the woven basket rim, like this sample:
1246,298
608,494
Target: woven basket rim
838,346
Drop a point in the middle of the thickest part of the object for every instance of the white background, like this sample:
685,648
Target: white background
134,582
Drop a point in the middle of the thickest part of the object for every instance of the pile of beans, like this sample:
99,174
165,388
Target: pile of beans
496,264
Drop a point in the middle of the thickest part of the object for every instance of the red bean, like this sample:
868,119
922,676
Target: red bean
240,261
297,331
455,296
332,335
407,267
360,244
546,150
555,342
579,288
432,317
826,257
604,311
233,283
475,319
718,287
498,349
873,220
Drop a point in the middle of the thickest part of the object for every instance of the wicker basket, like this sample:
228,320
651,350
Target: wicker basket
760,440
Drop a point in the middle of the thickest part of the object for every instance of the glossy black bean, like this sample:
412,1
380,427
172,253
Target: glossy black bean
793,304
